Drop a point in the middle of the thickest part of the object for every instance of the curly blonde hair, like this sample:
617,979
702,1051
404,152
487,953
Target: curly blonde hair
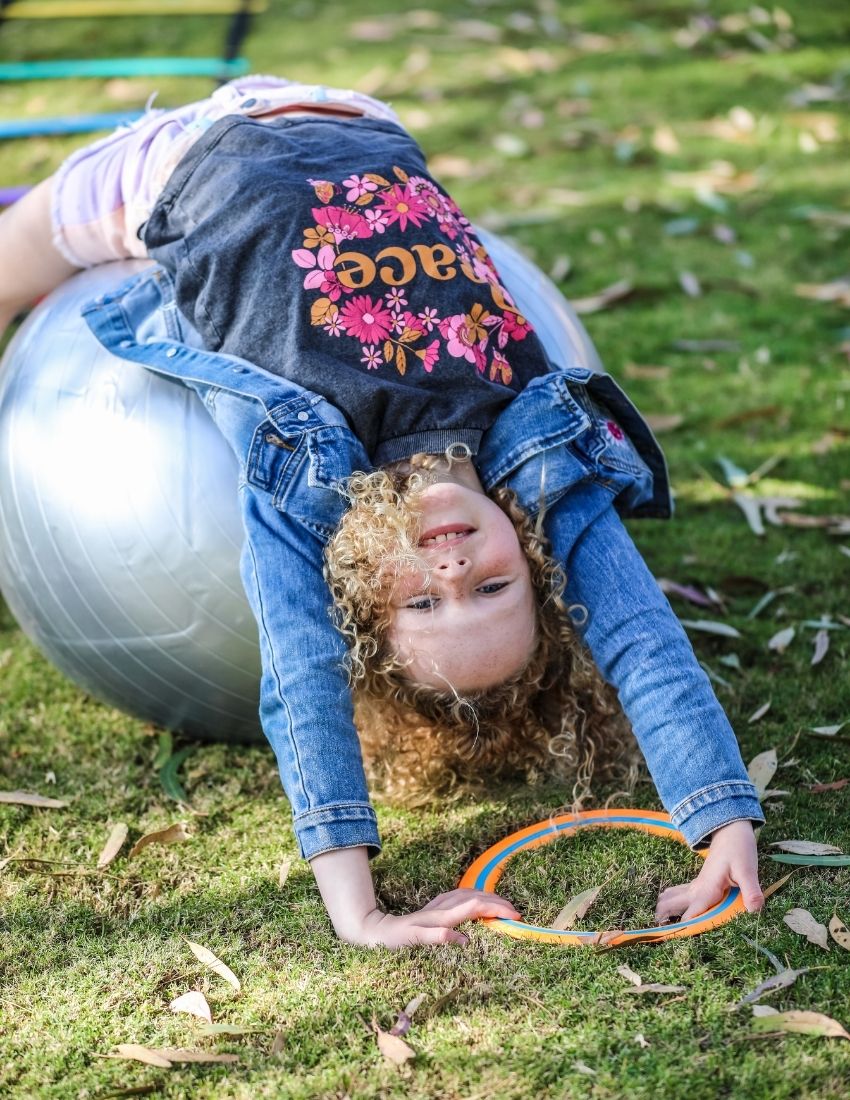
557,718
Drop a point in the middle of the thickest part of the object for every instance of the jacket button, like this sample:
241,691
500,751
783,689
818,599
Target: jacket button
303,416
171,353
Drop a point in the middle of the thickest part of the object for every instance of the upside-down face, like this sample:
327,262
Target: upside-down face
465,620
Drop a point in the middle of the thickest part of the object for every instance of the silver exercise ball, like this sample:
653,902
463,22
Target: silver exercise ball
119,523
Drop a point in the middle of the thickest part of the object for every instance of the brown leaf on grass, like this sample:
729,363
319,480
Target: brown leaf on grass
710,626
404,1020
575,909
765,1010
629,974
138,1053
393,1047
837,785
782,639
651,373
664,422
655,987
27,798
172,835
762,769
807,1023
836,291
806,847
782,980
283,872
112,846
834,524
617,292
759,712
180,1054
204,955
278,1043
686,591
821,644
770,890
194,1003
838,931
802,922
751,507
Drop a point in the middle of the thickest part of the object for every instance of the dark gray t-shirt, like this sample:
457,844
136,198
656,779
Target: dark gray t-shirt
322,250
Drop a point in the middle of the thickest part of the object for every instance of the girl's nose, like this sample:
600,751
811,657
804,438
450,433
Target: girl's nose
454,565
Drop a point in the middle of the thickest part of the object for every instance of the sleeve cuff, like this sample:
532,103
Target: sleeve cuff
712,807
341,825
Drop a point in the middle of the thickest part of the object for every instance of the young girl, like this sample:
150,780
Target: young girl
336,312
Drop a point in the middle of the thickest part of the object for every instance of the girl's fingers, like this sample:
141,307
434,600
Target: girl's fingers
437,935
751,893
671,902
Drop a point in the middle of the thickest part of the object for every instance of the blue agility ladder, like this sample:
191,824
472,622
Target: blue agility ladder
107,67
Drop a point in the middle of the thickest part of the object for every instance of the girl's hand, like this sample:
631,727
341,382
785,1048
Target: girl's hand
434,923
731,861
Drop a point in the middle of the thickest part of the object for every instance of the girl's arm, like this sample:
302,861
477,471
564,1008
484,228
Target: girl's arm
30,264
345,883
641,648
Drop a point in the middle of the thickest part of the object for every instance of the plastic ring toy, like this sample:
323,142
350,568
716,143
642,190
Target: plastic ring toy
486,871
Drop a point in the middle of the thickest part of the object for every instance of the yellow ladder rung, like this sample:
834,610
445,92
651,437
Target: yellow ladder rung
73,9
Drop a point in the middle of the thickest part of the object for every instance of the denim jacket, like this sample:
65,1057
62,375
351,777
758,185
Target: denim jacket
571,442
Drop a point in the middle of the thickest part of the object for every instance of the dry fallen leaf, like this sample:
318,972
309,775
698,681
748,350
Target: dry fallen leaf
655,987
172,835
836,291
782,980
180,1054
139,1053
112,846
760,712
838,931
802,922
27,798
821,644
836,785
710,626
806,847
641,1041
607,297
664,422
762,769
782,639
765,1010
690,284
283,872
204,955
808,1023
393,1047
575,909
404,1019
770,890
630,975
195,1003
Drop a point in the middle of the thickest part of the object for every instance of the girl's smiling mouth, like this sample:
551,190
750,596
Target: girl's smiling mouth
449,534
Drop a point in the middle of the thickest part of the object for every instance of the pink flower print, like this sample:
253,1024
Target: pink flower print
429,355
323,275
402,205
357,186
366,320
370,356
460,337
377,220
429,318
514,327
395,299
332,325
615,430
345,225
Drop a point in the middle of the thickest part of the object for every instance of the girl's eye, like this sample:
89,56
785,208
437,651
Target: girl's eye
422,603
489,589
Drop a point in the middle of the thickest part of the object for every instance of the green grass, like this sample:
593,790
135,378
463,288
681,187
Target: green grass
89,960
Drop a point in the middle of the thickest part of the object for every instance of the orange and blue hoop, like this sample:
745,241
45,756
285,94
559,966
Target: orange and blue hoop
486,871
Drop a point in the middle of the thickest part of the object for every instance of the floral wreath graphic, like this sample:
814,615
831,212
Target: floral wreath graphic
363,207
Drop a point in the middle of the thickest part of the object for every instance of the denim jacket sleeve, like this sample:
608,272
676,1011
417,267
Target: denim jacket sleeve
573,445
292,448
